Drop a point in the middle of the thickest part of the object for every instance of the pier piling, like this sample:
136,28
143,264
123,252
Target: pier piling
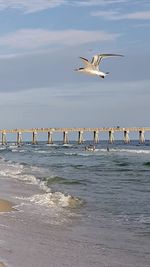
65,137
50,139
19,138
141,137
111,136
4,140
126,137
34,138
80,137
96,137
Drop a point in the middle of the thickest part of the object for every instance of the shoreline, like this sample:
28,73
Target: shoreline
5,206
2,265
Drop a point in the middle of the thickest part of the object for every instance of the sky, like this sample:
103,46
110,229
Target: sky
40,45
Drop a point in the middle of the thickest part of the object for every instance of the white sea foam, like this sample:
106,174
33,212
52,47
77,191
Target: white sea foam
21,150
52,145
18,150
144,219
43,151
27,178
2,148
137,151
55,200
67,145
15,170
14,150
43,186
9,169
13,146
18,171
85,154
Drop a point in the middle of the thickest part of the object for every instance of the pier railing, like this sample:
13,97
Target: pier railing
80,134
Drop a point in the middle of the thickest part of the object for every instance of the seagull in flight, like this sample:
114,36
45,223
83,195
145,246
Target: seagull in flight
93,66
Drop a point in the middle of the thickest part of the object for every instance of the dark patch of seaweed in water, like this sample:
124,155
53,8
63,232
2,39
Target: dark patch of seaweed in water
147,163
122,164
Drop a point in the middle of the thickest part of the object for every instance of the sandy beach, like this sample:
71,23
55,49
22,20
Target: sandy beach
5,206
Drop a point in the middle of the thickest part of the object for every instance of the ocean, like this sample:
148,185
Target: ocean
75,208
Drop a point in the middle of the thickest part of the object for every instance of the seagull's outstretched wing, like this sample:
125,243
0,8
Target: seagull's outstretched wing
86,62
97,58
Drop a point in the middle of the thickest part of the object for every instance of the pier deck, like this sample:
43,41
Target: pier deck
51,131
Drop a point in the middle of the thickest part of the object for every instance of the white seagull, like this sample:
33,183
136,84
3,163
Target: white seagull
93,66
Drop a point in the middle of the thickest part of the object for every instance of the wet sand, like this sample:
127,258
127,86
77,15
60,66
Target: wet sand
5,206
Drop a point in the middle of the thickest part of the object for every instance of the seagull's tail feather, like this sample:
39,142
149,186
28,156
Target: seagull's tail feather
105,74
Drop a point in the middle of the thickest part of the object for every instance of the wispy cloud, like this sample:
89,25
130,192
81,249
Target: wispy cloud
98,2
109,15
145,15
36,38
32,5
39,5
116,15
142,25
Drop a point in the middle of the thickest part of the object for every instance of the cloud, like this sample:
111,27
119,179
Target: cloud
110,15
74,105
36,38
53,68
98,2
145,15
31,6
142,25
115,15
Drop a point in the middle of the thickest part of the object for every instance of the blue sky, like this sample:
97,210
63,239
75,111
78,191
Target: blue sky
40,45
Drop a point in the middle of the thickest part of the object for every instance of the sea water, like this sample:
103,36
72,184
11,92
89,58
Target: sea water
76,207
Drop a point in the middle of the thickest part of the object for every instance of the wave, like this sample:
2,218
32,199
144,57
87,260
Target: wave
100,151
42,151
8,169
17,171
18,150
71,153
137,151
55,200
67,145
52,145
3,148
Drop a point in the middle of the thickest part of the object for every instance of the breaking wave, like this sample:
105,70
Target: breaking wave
55,199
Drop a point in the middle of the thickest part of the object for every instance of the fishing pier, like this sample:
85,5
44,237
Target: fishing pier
96,133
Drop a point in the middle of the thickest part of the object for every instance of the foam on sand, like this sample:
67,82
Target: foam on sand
5,206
